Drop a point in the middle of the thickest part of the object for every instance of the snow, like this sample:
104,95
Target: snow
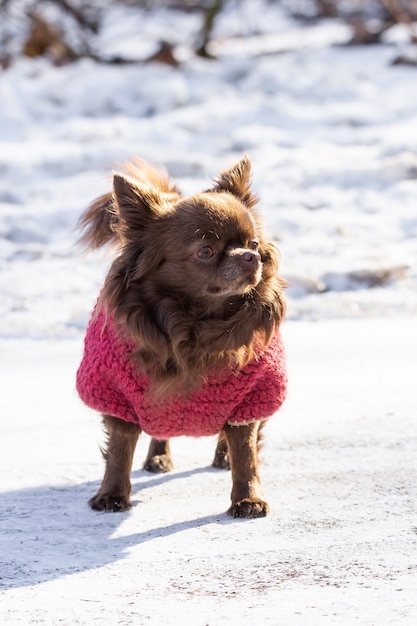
339,469
331,132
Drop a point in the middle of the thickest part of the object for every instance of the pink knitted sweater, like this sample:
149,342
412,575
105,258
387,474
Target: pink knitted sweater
110,382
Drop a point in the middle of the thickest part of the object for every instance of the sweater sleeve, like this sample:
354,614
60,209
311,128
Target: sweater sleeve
265,387
105,374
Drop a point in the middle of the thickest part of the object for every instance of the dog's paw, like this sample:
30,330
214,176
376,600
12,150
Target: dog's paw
109,503
159,464
249,508
221,461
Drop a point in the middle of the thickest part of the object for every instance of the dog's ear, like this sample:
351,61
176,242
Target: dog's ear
237,180
136,205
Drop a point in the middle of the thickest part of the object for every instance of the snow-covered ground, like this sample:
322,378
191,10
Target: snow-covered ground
332,134
339,470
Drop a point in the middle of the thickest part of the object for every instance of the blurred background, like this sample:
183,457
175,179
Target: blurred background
320,94
66,30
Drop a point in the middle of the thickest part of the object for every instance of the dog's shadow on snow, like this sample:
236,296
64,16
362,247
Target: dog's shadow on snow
47,532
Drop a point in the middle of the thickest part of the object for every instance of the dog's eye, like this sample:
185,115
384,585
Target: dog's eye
253,245
205,252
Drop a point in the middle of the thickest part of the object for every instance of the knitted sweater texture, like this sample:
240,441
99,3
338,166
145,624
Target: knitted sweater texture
109,381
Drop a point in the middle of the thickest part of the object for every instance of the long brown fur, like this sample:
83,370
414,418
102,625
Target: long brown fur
186,313
181,337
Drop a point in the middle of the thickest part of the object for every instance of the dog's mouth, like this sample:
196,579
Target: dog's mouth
236,285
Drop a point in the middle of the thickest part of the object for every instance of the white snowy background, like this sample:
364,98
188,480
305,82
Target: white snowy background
332,134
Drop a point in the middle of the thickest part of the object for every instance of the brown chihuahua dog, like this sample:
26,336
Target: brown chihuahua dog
184,338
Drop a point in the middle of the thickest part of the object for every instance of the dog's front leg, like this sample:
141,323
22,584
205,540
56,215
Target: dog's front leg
247,496
159,458
114,492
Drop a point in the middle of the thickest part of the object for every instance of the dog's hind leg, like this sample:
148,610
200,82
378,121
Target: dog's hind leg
114,492
247,496
221,455
159,458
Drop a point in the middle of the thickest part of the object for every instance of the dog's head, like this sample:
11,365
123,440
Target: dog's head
206,247
195,278
212,248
